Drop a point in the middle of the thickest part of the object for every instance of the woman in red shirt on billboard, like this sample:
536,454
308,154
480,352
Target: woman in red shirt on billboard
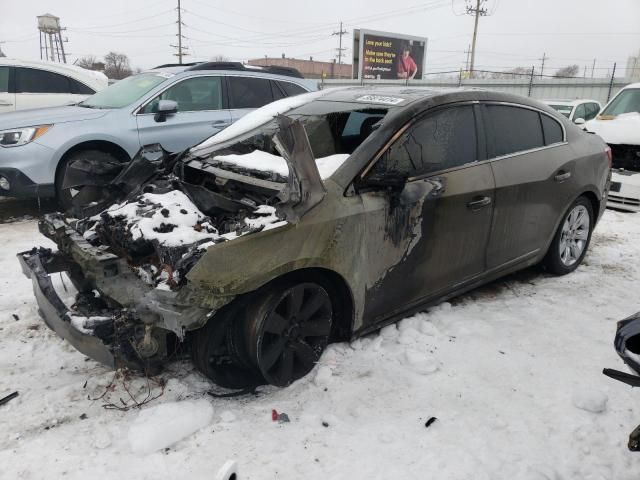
407,67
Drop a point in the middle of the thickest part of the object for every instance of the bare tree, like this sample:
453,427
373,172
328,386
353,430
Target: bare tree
90,62
116,65
220,58
568,71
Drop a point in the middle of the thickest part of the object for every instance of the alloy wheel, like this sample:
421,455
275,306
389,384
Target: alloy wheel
574,235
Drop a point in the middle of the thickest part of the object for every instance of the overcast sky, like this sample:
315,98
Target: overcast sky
516,33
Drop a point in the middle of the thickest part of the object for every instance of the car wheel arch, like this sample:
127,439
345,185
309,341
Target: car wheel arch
336,286
101,145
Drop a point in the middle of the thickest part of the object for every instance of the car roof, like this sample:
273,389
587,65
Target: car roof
377,94
94,79
632,85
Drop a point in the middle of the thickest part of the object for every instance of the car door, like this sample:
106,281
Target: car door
36,88
428,235
7,95
533,168
201,113
247,94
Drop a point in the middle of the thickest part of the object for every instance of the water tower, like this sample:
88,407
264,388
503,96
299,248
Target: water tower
51,46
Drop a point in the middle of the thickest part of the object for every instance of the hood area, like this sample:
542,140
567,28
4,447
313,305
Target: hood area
52,115
623,129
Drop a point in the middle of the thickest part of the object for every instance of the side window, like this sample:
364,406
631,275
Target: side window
514,129
440,140
592,111
552,130
192,95
80,88
249,92
31,80
4,79
291,89
581,112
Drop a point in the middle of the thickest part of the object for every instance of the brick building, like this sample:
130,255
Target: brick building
308,68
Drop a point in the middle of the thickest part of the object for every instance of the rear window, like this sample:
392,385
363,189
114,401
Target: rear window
514,129
291,89
249,92
31,80
80,88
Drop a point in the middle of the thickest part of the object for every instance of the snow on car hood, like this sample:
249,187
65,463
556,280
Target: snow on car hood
624,129
173,220
267,162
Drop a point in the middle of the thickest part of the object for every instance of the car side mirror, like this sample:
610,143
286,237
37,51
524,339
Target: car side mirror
579,121
165,108
388,182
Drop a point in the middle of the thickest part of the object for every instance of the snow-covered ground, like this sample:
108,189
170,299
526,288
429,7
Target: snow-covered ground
512,371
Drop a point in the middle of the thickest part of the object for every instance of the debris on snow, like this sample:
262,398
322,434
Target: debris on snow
228,471
8,398
429,422
163,425
590,400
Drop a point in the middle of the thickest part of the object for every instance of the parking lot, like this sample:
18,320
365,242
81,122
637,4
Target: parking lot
511,371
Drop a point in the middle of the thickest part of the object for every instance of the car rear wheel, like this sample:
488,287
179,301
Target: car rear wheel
571,241
82,177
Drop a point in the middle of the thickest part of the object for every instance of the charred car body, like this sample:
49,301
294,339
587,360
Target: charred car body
319,218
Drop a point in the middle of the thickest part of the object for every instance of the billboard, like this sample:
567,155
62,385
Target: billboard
388,56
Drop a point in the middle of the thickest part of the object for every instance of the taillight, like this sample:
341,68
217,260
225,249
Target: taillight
609,155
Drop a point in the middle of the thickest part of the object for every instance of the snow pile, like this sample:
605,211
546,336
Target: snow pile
161,426
170,218
267,162
590,400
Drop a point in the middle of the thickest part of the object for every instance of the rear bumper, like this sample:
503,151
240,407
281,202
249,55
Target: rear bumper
55,313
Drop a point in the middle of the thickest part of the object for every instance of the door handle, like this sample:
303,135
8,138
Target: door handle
562,176
478,203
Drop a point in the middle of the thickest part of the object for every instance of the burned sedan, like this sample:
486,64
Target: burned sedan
314,219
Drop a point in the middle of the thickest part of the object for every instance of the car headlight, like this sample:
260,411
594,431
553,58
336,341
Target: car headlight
21,136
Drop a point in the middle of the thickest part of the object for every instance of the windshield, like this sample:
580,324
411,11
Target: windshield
563,109
627,101
124,92
334,130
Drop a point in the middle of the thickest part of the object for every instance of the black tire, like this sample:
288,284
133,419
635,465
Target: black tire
286,329
109,166
214,352
554,261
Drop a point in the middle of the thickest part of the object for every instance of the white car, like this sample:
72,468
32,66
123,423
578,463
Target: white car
619,125
578,111
35,84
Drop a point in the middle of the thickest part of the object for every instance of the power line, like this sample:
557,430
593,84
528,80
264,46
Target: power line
182,51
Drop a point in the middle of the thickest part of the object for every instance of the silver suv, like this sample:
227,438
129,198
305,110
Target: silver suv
69,152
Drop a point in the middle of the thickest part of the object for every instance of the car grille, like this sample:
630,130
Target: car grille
626,156
632,202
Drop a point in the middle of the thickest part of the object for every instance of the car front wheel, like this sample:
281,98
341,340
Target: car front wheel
570,243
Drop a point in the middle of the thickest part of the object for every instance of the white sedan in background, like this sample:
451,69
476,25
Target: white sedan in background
35,84
578,111
619,125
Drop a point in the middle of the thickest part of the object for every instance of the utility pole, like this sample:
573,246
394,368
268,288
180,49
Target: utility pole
181,50
544,57
340,49
466,63
478,12
593,67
